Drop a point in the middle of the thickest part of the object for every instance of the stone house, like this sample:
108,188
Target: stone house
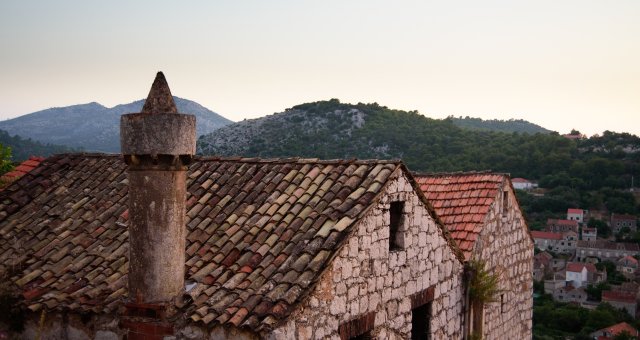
276,249
580,274
575,215
628,266
570,293
561,226
605,250
621,300
589,234
482,214
563,243
620,221
542,265
522,184
612,331
557,281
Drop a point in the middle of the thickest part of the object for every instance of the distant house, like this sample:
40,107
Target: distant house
560,226
589,234
557,281
542,265
482,214
522,184
570,293
575,215
564,243
612,331
580,274
605,250
628,266
621,300
623,221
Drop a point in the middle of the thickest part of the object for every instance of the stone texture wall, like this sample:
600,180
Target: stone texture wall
366,277
506,247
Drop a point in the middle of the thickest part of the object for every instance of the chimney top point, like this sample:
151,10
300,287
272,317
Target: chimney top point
160,100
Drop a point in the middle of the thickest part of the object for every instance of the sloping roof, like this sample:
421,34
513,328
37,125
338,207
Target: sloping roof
22,169
575,211
629,259
520,180
619,328
577,267
462,200
604,244
617,296
622,217
260,232
546,235
572,223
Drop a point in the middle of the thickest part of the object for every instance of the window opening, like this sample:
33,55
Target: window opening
420,319
395,221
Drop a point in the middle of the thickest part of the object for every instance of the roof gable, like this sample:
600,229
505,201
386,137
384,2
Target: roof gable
259,232
462,201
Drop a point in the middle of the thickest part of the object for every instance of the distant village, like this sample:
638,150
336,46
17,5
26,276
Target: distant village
568,253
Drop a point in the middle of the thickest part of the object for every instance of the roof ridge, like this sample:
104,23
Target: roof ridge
459,173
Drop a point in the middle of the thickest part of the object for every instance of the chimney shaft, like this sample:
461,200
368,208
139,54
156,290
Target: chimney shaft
157,145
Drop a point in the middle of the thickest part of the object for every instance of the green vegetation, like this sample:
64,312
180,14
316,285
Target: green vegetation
23,148
556,320
511,125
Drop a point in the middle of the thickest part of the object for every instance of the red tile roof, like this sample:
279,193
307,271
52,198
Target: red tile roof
572,223
461,201
259,232
617,296
576,267
21,169
519,180
575,211
619,328
546,235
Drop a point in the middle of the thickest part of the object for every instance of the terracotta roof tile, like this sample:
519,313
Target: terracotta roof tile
461,201
260,232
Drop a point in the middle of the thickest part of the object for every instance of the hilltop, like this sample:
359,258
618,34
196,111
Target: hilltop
94,127
511,125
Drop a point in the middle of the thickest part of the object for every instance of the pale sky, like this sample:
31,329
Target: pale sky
560,64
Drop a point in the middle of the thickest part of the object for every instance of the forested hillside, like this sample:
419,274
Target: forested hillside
590,173
22,148
511,125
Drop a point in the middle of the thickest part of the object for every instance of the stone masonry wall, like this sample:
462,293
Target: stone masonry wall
366,277
507,249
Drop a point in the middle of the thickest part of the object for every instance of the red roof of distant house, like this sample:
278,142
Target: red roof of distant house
552,221
630,259
588,230
576,267
520,180
617,329
610,295
622,217
21,169
575,211
462,201
546,235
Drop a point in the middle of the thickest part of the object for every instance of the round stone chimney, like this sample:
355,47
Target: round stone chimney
157,144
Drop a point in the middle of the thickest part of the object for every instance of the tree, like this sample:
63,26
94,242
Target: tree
6,164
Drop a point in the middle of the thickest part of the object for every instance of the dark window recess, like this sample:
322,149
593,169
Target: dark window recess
502,303
395,212
420,322
364,336
505,203
359,328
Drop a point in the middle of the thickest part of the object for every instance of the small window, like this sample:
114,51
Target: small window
395,221
420,318
505,203
501,303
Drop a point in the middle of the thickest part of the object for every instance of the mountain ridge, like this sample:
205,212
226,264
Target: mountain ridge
95,127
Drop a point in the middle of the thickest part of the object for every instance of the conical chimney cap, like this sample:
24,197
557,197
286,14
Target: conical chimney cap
160,99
